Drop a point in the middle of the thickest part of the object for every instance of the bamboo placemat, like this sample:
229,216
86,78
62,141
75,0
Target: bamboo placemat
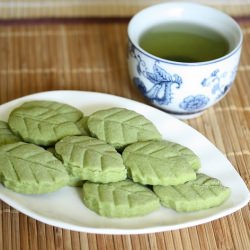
85,8
91,55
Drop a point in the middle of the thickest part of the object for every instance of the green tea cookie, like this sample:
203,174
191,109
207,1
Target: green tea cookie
73,181
27,168
203,193
44,122
91,159
160,163
53,151
6,135
83,125
120,127
120,199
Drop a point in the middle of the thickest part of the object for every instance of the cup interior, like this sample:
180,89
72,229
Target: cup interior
189,13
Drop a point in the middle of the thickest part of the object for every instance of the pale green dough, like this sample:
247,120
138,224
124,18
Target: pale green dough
120,199
73,181
203,193
44,122
27,168
6,135
160,163
91,159
83,126
121,127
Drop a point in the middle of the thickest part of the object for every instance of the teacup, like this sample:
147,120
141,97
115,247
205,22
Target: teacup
184,89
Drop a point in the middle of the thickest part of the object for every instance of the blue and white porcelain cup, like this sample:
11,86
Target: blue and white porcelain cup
183,89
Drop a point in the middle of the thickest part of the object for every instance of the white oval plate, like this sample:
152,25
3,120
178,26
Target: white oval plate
65,209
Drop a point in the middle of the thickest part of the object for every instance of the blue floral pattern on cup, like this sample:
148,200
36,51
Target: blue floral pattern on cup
161,90
161,86
193,103
220,82
162,81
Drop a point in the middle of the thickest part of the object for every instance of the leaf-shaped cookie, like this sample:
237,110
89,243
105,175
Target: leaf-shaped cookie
83,125
160,163
6,135
73,181
91,159
203,193
120,127
120,199
30,169
44,122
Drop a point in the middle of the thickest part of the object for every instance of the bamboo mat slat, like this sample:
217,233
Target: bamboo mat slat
91,55
10,9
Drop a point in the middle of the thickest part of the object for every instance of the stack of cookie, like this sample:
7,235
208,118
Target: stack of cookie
116,155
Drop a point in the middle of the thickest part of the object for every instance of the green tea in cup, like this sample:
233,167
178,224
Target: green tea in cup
183,57
184,42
